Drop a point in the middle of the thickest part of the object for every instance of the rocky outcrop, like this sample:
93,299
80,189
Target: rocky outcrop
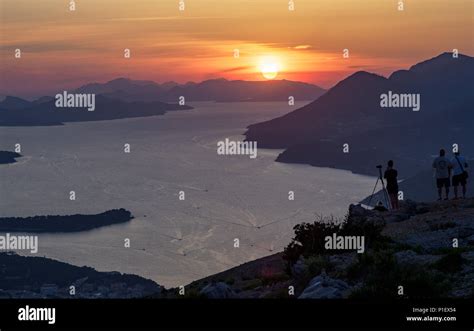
442,225
324,287
218,291
426,247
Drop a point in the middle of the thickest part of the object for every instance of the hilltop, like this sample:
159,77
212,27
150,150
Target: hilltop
412,247
220,90
351,113
39,277
428,248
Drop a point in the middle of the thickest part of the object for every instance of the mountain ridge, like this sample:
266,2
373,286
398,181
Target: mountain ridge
219,89
350,112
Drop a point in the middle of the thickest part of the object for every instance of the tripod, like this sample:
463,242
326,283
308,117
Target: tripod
384,191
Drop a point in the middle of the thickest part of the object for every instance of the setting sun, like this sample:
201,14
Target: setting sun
269,67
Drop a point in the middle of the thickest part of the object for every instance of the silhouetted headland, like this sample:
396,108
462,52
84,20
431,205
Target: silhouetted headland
351,113
39,277
8,157
66,223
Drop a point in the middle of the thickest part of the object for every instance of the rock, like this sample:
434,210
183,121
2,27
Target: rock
395,218
410,257
324,287
218,291
376,220
360,217
341,262
463,287
431,241
439,236
299,268
422,209
358,211
402,216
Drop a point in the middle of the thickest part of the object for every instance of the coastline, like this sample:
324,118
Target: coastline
64,223
414,244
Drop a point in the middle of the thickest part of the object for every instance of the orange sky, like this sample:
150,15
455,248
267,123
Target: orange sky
63,49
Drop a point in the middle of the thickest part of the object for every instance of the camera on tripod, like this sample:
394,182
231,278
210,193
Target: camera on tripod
384,191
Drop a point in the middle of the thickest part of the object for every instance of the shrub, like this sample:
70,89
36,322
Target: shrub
251,284
316,264
382,275
230,281
192,293
309,238
274,278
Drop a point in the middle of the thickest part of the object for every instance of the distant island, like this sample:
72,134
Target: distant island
66,223
219,90
39,277
43,112
126,98
8,157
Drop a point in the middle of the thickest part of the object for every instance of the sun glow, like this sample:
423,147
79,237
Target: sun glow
269,67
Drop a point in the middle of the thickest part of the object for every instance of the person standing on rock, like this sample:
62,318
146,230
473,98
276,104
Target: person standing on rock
392,184
442,167
460,174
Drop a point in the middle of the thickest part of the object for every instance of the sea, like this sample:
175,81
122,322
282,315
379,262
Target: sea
196,212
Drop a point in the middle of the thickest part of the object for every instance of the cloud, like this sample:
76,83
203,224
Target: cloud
361,66
160,18
44,47
236,69
302,47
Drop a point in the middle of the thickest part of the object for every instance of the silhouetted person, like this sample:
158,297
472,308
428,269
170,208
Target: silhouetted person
460,174
392,184
442,165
